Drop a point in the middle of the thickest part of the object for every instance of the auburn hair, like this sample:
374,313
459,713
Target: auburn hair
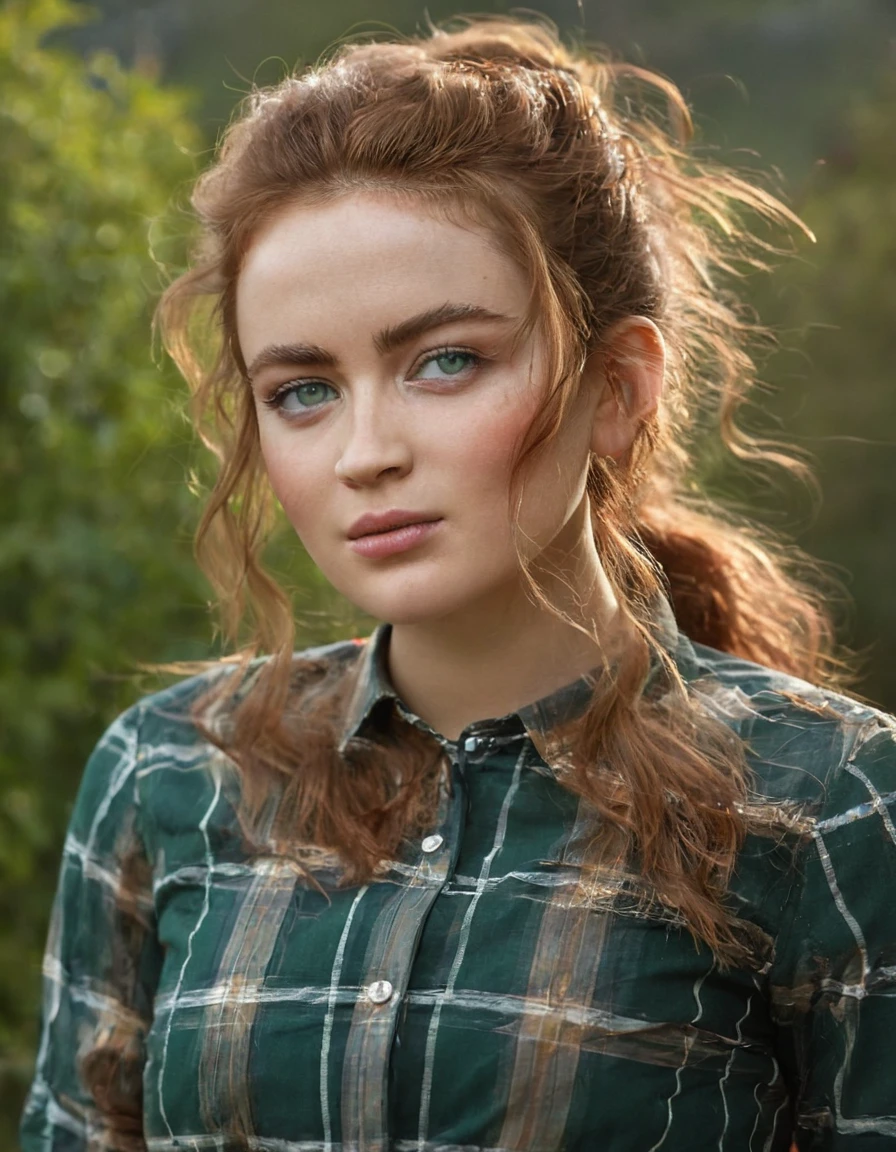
580,166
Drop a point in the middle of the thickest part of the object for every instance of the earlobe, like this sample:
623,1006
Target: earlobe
630,370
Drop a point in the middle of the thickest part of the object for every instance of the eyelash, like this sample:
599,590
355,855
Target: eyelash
476,360
276,399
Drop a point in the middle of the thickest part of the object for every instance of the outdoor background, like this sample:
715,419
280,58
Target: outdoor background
103,125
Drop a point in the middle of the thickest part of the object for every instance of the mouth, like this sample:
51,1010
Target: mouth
392,534
380,523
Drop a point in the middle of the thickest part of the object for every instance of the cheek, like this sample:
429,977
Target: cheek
296,477
482,450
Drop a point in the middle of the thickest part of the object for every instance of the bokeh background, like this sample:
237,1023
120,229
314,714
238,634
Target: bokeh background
105,116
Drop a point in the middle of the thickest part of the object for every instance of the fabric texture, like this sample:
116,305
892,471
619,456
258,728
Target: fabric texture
487,990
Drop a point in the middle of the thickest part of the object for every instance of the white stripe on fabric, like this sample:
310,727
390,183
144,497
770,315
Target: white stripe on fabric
226,993
858,811
178,757
206,903
580,1015
698,986
332,1000
831,878
879,803
117,733
117,779
730,1061
462,941
776,1076
770,1142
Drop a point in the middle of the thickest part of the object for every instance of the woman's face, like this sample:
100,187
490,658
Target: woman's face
390,395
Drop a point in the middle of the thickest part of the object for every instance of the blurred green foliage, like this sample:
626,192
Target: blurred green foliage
834,380
96,572
95,563
96,568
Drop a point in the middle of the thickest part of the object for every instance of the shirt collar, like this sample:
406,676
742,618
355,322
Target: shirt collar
545,721
372,685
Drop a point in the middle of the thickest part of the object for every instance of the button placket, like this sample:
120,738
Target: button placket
391,950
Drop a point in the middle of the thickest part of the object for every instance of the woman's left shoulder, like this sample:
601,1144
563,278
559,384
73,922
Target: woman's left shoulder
804,743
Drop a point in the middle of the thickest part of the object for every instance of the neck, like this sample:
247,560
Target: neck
508,650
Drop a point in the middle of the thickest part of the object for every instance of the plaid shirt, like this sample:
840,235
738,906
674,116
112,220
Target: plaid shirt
477,994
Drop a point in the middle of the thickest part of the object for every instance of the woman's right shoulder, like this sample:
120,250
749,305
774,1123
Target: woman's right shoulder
170,727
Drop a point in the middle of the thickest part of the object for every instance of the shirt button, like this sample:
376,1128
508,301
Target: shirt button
379,991
471,744
432,843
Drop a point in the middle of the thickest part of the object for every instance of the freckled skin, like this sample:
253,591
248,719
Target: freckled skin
392,435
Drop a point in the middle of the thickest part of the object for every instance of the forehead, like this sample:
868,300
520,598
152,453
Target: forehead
370,258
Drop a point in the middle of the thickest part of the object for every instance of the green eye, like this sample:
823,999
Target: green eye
452,362
304,395
449,363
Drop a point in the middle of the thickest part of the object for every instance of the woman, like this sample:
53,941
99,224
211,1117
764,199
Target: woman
564,856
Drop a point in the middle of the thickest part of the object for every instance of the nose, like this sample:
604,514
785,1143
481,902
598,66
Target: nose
376,445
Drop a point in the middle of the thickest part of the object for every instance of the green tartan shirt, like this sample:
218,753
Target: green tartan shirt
476,995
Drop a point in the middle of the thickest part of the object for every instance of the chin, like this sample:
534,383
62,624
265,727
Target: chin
404,612
403,605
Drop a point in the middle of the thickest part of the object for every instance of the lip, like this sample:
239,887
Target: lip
377,535
377,522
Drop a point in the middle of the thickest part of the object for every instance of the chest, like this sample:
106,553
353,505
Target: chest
478,993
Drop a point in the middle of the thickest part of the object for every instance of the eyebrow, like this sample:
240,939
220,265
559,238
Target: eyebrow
389,339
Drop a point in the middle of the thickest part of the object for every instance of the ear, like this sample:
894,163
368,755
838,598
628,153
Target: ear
629,373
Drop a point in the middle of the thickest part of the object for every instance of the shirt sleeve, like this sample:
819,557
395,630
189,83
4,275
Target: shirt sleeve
100,969
834,974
